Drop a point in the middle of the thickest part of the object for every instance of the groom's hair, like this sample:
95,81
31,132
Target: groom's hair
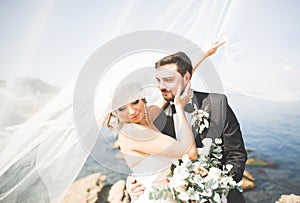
182,61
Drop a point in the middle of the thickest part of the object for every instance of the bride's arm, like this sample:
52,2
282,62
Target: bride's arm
156,108
141,139
145,140
212,49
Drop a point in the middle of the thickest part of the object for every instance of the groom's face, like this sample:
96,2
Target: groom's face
169,79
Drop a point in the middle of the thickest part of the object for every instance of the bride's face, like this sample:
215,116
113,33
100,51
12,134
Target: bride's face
133,112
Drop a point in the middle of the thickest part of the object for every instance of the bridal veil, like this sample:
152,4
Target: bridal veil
45,154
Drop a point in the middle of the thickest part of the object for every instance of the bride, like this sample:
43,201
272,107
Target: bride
147,151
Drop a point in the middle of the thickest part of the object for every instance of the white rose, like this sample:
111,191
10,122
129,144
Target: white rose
214,173
186,160
183,196
176,183
218,141
181,172
207,142
229,167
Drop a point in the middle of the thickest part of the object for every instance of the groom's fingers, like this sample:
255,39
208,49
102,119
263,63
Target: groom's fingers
187,89
179,89
187,93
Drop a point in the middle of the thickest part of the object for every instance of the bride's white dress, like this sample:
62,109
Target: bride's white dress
152,170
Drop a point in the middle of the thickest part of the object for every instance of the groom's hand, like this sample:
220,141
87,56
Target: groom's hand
185,96
134,188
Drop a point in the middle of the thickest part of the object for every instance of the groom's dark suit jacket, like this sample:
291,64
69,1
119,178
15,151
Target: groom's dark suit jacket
222,124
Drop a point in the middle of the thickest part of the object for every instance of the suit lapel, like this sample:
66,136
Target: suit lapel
216,107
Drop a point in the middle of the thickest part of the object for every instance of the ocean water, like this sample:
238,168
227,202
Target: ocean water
270,129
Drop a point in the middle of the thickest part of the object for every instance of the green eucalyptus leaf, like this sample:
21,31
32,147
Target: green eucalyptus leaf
151,196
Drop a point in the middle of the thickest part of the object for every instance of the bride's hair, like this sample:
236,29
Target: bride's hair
116,123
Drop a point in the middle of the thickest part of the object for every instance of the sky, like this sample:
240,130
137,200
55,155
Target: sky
52,40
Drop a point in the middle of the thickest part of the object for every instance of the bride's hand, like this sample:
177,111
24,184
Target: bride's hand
184,98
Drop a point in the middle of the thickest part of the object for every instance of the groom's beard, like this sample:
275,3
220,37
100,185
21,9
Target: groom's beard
167,95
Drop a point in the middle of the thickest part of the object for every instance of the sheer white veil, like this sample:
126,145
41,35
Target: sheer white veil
45,154
36,164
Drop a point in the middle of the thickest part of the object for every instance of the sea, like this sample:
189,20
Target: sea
271,130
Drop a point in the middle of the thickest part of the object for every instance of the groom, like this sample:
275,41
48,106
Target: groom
176,69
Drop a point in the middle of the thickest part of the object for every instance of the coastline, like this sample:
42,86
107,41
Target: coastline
94,189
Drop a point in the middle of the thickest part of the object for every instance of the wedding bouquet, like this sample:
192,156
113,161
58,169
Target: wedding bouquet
199,180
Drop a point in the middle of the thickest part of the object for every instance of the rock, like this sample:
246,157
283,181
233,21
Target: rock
118,193
248,181
115,193
247,175
85,189
21,98
258,162
289,199
261,171
91,189
248,184
249,150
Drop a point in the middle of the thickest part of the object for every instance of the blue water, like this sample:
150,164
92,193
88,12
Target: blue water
270,129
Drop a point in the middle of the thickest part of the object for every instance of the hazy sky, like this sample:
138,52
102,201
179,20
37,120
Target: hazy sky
52,39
